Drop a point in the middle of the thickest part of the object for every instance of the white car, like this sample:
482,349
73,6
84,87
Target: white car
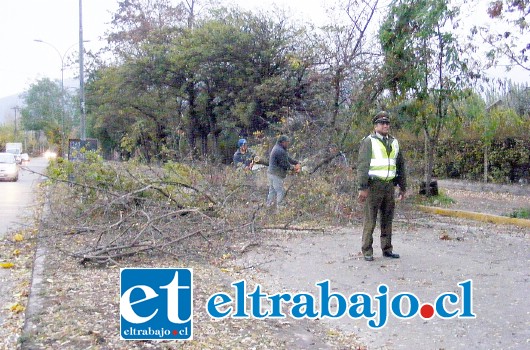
8,167
24,157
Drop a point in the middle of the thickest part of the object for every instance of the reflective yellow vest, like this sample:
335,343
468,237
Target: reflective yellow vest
383,164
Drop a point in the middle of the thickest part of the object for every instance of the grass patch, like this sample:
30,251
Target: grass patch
441,200
523,213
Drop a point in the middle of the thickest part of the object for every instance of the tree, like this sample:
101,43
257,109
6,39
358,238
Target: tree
501,116
129,113
423,64
135,21
47,110
344,55
6,135
497,120
241,72
509,36
234,71
513,95
131,101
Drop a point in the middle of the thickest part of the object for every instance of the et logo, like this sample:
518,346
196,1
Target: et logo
156,304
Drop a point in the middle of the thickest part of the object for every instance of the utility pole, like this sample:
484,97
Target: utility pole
16,108
488,142
81,74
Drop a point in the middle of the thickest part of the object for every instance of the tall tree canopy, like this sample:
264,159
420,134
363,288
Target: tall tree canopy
423,65
234,71
48,110
512,39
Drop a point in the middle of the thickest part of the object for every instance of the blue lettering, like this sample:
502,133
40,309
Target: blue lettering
331,305
256,303
240,288
383,307
277,304
414,305
440,305
467,299
303,308
364,306
325,298
212,305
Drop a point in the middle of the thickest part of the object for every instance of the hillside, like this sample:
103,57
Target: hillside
7,113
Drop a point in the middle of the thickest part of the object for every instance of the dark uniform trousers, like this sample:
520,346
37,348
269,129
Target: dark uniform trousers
380,199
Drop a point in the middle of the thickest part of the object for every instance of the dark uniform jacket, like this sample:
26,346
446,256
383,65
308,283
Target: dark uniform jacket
280,162
365,156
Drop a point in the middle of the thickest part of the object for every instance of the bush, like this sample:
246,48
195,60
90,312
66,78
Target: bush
521,214
509,160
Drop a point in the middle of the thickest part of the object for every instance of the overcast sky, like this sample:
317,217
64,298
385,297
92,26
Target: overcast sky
55,21
23,61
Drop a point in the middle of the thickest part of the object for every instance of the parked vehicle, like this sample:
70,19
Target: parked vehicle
24,157
8,167
16,149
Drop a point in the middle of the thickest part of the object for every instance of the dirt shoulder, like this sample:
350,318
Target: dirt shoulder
80,309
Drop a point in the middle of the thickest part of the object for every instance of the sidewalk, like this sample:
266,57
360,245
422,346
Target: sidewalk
483,198
475,186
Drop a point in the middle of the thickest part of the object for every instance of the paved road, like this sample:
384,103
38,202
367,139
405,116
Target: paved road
496,258
17,198
17,205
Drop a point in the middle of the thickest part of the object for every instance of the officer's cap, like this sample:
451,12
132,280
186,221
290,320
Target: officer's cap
381,117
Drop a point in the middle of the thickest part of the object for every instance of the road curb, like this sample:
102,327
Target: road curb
494,219
36,300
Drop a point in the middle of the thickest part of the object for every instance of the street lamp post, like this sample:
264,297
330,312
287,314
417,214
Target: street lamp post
62,88
63,112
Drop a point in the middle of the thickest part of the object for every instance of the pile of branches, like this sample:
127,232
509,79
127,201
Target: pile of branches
119,210
124,209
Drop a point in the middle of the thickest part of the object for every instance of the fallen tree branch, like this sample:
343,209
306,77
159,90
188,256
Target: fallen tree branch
73,183
291,228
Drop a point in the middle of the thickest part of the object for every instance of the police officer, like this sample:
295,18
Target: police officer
380,168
